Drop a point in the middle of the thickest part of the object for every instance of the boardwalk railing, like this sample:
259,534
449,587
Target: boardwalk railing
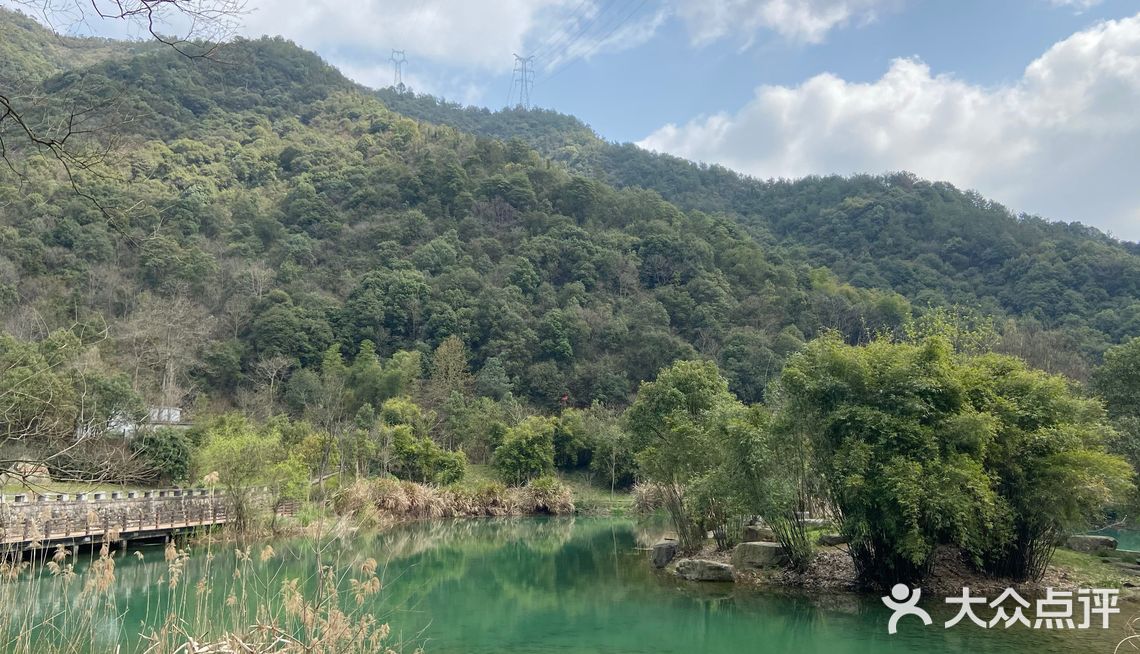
40,497
49,520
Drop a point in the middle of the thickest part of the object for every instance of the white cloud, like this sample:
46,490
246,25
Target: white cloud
806,21
482,36
456,87
459,33
1063,141
600,31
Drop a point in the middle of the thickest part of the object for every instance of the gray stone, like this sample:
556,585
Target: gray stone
1084,543
663,553
758,533
758,555
831,540
703,570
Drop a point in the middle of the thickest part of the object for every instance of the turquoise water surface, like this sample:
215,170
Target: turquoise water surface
570,585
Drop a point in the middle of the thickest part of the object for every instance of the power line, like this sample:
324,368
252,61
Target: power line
554,44
597,43
577,37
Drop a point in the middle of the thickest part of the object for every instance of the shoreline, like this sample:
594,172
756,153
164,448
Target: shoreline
833,570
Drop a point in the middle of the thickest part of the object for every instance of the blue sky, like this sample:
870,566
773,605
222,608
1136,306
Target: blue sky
1034,103
1031,102
626,95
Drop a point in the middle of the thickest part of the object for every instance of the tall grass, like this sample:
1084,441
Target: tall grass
53,605
381,501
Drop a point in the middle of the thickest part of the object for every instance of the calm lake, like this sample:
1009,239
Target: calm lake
567,585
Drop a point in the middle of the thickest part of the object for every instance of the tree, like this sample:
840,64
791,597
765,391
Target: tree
1118,380
671,424
1048,459
70,127
492,380
612,458
767,472
527,451
163,339
449,373
241,457
56,408
921,446
166,452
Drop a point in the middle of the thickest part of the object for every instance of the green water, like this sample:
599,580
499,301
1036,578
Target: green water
1126,539
572,586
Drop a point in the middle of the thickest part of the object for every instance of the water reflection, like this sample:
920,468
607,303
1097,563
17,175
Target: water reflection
558,585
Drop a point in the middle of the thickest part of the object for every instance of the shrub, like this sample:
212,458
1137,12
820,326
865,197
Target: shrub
166,453
527,451
921,446
419,458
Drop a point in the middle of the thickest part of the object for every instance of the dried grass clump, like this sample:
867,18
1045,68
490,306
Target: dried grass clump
647,497
375,502
547,495
483,499
265,614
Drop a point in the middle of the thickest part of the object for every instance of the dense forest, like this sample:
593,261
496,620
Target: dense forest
267,235
276,210
936,245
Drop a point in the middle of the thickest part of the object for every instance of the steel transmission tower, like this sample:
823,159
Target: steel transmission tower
398,60
524,77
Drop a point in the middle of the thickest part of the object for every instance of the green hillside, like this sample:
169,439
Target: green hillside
929,241
265,208
270,209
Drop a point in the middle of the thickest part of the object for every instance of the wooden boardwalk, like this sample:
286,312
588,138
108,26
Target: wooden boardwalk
43,525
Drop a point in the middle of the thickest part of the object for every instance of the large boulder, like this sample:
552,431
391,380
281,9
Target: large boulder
663,552
758,533
1085,543
758,555
703,570
830,540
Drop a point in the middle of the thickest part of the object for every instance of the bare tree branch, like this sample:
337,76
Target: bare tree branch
81,137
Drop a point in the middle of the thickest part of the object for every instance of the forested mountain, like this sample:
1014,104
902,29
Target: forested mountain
263,209
263,213
929,241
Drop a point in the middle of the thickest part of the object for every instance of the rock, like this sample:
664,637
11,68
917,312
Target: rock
831,540
663,552
758,555
758,533
702,570
1084,543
